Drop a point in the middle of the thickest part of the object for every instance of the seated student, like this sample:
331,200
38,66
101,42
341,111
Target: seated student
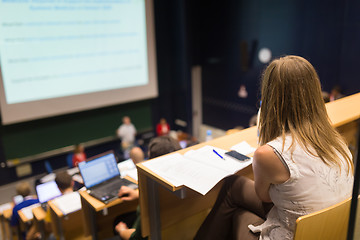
79,155
158,146
23,189
336,93
65,184
137,155
302,165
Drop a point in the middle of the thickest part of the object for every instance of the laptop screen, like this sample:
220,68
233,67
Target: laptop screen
47,191
99,169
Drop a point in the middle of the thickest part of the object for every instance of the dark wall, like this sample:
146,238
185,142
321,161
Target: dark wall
228,35
173,59
350,48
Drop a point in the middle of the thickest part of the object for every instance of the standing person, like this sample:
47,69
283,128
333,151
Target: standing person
126,132
162,128
79,155
158,146
302,165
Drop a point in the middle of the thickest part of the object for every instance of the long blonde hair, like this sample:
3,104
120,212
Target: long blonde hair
292,104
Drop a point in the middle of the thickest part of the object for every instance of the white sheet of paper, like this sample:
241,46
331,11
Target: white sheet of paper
133,174
27,211
164,167
68,203
128,168
48,178
78,178
243,148
199,170
73,171
5,206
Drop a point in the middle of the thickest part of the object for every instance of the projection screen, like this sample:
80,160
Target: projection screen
63,56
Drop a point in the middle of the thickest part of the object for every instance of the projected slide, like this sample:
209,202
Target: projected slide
58,48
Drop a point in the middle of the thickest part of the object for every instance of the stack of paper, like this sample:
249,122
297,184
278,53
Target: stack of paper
199,169
68,203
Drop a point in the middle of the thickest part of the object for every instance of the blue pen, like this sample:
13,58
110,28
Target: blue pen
218,154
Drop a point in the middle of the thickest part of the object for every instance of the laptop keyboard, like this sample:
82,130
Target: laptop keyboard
110,190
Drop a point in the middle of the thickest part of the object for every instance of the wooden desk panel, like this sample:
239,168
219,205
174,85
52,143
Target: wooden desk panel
39,213
70,226
98,217
24,222
38,220
6,216
344,110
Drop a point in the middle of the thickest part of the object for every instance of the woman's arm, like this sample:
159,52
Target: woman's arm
268,169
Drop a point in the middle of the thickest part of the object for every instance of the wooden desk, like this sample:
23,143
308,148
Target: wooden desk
23,218
164,205
344,110
98,217
67,227
38,220
5,219
168,205
24,221
344,114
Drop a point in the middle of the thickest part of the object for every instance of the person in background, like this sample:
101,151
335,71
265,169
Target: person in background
126,132
65,184
137,155
326,96
302,165
79,155
158,146
253,121
162,128
336,93
23,189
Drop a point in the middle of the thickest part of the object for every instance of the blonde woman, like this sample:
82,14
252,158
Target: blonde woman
302,165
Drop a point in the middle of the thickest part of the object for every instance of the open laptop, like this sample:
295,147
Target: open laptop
47,191
101,177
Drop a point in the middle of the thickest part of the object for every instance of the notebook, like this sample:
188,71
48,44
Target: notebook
102,177
47,191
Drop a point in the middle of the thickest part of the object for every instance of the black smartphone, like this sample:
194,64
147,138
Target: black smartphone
238,156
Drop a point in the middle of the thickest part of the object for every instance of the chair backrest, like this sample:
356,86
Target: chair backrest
69,159
329,223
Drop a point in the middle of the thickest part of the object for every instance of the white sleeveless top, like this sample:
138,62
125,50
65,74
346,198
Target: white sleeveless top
312,186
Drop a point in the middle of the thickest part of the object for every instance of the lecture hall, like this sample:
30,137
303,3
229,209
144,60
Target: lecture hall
179,120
